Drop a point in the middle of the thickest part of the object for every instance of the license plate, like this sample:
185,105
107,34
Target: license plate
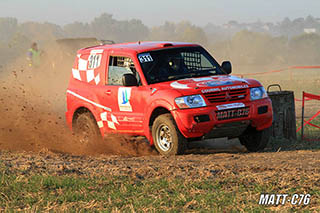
232,113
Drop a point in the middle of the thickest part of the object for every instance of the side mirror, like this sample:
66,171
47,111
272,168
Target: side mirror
129,80
227,67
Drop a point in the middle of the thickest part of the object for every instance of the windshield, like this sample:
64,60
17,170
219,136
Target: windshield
177,63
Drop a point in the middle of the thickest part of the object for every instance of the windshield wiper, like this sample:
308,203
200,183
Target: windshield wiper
207,69
190,75
175,77
200,74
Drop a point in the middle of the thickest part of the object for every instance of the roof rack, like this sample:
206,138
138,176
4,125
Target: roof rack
104,42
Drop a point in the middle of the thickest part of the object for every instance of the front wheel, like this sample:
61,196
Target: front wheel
166,136
255,140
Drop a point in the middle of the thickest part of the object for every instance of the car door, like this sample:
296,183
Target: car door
100,97
128,102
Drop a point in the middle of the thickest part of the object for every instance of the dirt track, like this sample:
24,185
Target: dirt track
33,129
289,167
32,105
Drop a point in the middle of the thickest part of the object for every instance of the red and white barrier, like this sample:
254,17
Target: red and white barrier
307,97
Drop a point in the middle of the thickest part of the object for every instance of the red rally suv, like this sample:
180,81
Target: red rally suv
169,92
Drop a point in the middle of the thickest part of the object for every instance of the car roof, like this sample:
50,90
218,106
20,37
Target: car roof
139,47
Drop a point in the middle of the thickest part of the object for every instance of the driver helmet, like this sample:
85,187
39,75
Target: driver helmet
175,62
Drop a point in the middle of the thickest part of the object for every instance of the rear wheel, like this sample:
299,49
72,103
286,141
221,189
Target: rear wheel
256,140
166,136
86,129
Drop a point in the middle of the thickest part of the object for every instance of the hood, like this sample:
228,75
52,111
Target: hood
209,84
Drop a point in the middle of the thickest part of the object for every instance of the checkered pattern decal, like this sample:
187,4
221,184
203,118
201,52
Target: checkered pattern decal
109,119
82,72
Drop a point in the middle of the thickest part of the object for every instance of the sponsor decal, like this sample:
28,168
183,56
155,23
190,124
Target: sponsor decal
234,87
225,88
124,99
146,57
230,106
214,83
96,51
127,119
177,85
232,113
202,79
218,83
94,61
211,90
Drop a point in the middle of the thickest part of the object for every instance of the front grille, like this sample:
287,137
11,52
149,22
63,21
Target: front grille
225,96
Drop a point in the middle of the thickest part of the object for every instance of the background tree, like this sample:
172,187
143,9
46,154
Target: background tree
8,27
78,30
305,49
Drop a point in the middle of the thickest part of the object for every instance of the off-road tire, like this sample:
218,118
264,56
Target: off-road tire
86,129
256,140
178,141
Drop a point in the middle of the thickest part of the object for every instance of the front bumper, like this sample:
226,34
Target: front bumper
190,127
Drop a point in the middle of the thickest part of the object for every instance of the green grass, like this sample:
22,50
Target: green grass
112,193
311,132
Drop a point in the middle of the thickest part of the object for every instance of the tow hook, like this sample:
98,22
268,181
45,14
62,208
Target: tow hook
193,125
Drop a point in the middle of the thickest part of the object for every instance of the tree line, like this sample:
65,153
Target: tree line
243,47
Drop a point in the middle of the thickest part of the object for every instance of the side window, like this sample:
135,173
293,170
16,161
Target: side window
196,61
118,66
205,63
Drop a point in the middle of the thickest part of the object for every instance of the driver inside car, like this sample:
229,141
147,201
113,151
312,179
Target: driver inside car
174,66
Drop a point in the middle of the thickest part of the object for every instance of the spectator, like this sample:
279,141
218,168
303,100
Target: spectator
34,55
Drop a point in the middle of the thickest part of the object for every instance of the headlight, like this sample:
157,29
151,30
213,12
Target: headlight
257,93
192,101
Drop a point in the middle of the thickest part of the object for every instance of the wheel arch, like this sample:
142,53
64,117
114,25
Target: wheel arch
79,111
151,116
83,109
156,112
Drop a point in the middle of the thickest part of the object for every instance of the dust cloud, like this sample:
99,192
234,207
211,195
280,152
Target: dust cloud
32,107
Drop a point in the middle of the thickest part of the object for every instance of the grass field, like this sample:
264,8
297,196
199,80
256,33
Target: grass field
219,182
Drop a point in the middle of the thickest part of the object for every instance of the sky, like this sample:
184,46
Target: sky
153,13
